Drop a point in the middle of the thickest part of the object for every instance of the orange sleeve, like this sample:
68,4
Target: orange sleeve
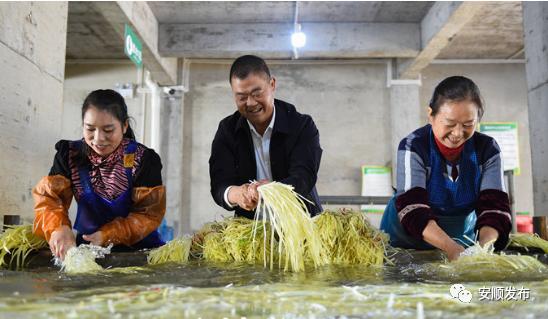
147,212
52,197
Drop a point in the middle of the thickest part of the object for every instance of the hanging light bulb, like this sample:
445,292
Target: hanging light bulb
298,38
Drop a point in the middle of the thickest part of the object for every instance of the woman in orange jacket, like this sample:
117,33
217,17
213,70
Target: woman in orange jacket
115,181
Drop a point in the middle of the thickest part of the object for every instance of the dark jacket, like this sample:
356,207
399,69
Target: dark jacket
295,155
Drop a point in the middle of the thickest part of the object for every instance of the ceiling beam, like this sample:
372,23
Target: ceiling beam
139,16
442,22
273,40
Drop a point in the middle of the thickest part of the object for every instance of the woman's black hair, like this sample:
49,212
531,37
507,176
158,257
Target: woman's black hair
456,88
109,101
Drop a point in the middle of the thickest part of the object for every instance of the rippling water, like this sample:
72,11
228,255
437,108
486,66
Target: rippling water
409,289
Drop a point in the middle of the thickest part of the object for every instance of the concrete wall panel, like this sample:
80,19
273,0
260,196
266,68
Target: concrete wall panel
538,102
535,25
535,29
30,103
273,40
172,160
37,31
32,61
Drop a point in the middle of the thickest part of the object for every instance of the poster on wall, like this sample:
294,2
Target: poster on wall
506,135
376,181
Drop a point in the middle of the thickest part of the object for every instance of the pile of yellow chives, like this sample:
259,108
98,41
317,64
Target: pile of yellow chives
17,242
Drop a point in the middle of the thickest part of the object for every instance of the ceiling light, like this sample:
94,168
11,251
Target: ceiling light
298,39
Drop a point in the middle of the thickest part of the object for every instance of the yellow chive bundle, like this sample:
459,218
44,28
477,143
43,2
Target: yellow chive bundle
175,251
528,241
285,211
483,264
18,242
284,233
349,239
197,246
231,240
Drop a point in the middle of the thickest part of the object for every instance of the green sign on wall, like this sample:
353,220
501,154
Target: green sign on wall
132,46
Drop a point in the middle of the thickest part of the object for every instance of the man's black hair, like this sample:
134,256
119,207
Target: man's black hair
246,65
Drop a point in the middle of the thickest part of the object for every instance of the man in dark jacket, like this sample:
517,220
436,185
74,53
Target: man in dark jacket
265,140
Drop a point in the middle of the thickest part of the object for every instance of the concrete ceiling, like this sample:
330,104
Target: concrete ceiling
284,11
494,33
373,29
89,35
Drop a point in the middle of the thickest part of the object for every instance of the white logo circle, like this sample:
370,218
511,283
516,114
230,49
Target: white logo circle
465,296
455,289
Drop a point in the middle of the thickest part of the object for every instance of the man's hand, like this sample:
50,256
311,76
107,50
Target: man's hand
61,240
242,196
253,193
96,238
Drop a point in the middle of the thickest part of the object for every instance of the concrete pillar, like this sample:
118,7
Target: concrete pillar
172,160
32,65
404,114
535,28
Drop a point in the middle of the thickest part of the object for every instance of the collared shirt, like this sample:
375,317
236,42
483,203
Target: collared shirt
261,146
452,172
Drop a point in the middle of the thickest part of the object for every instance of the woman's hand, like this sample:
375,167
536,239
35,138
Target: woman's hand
454,252
435,236
487,234
96,238
61,240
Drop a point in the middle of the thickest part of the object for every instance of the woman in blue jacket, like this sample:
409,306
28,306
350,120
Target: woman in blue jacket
450,183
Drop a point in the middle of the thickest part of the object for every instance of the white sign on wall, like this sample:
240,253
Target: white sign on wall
506,135
376,181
